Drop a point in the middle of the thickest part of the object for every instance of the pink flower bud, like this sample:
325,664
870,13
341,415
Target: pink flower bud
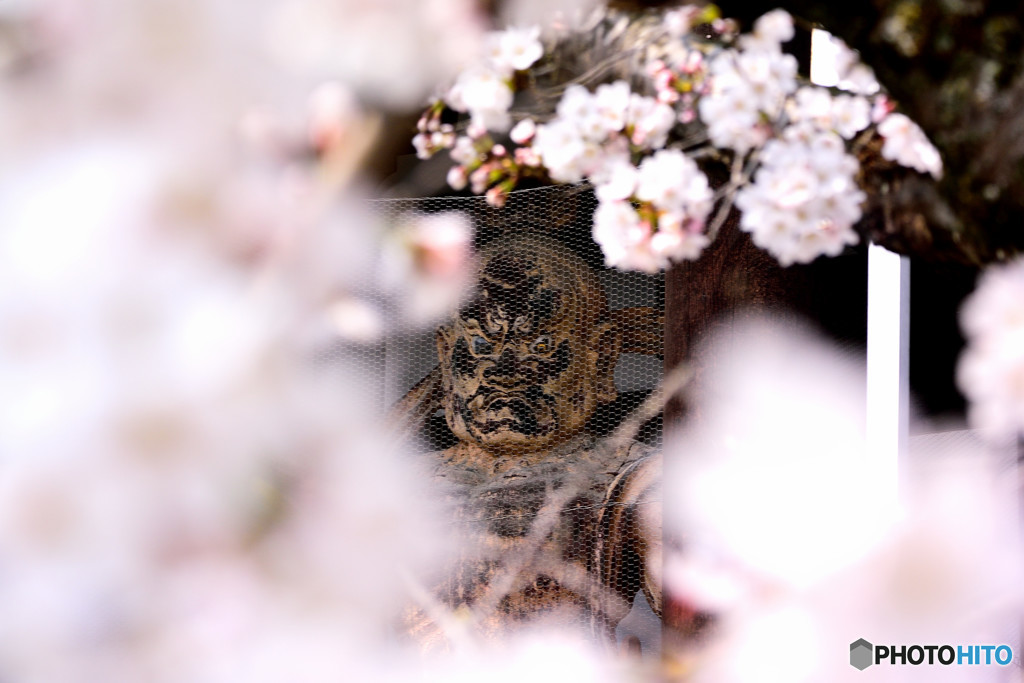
523,131
478,179
668,96
525,156
881,108
457,177
476,130
422,144
499,150
496,197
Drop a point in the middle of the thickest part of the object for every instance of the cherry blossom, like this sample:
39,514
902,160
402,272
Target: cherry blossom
485,95
560,146
991,369
516,49
464,151
619,182
791,177
523,131
425,263
678,238
745,87
770,31
845,114
457,177
804,199
624,237
650,121
679,21
907,145
671,181
612,102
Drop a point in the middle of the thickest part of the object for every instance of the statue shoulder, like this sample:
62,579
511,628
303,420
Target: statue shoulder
459,464
640,470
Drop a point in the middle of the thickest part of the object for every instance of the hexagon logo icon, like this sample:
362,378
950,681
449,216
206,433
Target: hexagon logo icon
861,652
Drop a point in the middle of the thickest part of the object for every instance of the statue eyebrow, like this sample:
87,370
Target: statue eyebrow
472,327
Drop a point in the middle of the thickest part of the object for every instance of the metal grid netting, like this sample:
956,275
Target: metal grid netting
518,404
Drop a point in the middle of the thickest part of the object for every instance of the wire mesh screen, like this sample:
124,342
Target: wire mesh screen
524,405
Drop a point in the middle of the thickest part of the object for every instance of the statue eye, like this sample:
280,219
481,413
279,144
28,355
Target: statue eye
481,346
541,344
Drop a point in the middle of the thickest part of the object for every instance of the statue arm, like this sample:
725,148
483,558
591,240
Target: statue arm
629,548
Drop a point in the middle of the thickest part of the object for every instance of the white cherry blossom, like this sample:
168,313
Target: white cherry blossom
860,80
523,131
485,95
619,182
679,22
671,181
560,146
745,87
651,121
624,237
422,144
733,121
464,152
577,105
907,145
457,178
991,370
804,200
612,102
678,238
515,49
850,115
775,26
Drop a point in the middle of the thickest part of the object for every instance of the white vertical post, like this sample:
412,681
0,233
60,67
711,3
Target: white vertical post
888,380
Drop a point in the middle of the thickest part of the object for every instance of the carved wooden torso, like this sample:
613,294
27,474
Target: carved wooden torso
533,527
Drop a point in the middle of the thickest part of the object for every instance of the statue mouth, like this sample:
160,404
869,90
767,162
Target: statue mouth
515,411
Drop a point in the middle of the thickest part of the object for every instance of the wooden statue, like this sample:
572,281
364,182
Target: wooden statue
560,526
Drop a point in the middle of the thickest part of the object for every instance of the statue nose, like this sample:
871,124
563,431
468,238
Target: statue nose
506,370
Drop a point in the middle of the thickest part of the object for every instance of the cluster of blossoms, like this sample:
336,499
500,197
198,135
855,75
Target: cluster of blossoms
782,433
736,97
749,87
804,199
991,370
652,215
647,215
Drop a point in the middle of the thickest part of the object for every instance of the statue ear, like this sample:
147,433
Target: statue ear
445,340
605,342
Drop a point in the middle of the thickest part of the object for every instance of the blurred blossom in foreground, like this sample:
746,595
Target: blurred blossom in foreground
184,493
788,535
783,436
393,53
538,656
181,489
991,369
428,265
554,15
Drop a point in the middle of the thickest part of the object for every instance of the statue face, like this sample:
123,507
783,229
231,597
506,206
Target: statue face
527,362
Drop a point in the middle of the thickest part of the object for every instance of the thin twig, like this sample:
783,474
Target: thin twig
453,628
543,524
723,212
673,383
